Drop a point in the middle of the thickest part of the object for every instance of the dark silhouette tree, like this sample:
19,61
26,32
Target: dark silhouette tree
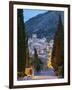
37,61
58,50
27,54
21,43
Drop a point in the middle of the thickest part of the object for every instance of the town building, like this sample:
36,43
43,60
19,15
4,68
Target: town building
41,45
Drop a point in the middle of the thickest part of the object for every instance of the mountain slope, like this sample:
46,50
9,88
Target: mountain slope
44,25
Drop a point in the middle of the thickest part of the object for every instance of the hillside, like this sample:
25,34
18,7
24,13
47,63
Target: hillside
44,25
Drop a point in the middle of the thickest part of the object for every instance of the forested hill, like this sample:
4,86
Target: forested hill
44,25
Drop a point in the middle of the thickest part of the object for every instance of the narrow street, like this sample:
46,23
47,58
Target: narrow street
47,74
44,77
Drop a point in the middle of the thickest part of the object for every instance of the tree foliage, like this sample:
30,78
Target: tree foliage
37,61
58,50
27,53
21,42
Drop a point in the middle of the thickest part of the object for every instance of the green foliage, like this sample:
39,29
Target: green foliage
38,64
27,53
21,42
58,50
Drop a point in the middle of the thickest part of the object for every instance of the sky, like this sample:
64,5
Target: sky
28,13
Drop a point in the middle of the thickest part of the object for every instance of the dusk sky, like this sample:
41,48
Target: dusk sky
28,13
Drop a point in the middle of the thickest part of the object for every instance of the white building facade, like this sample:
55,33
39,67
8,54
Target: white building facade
41,45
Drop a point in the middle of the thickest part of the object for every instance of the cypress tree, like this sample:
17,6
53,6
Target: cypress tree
58,50
38,64
21,43
27,54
